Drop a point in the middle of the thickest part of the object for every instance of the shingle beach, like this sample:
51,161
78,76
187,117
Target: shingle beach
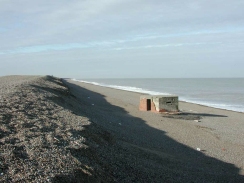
60,130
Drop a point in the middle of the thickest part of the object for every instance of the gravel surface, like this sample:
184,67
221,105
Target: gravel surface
52,130
201,144
42,136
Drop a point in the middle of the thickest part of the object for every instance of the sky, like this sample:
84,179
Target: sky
122,38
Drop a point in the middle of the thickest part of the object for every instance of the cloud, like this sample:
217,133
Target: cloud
166,45
57,22
113,43
3,29
54,47
100,29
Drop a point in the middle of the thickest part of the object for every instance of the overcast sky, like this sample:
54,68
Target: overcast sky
122,38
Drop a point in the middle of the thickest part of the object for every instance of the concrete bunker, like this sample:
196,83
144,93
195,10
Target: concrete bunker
159,103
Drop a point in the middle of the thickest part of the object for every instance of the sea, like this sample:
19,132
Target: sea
222,93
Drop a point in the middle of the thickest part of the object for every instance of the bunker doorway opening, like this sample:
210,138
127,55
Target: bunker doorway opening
148,104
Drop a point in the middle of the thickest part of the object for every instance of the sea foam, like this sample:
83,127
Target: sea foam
232,107
125,88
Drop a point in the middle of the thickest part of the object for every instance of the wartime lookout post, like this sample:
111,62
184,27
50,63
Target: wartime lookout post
159,103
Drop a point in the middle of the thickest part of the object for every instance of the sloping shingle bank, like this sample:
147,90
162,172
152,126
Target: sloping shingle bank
43,137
